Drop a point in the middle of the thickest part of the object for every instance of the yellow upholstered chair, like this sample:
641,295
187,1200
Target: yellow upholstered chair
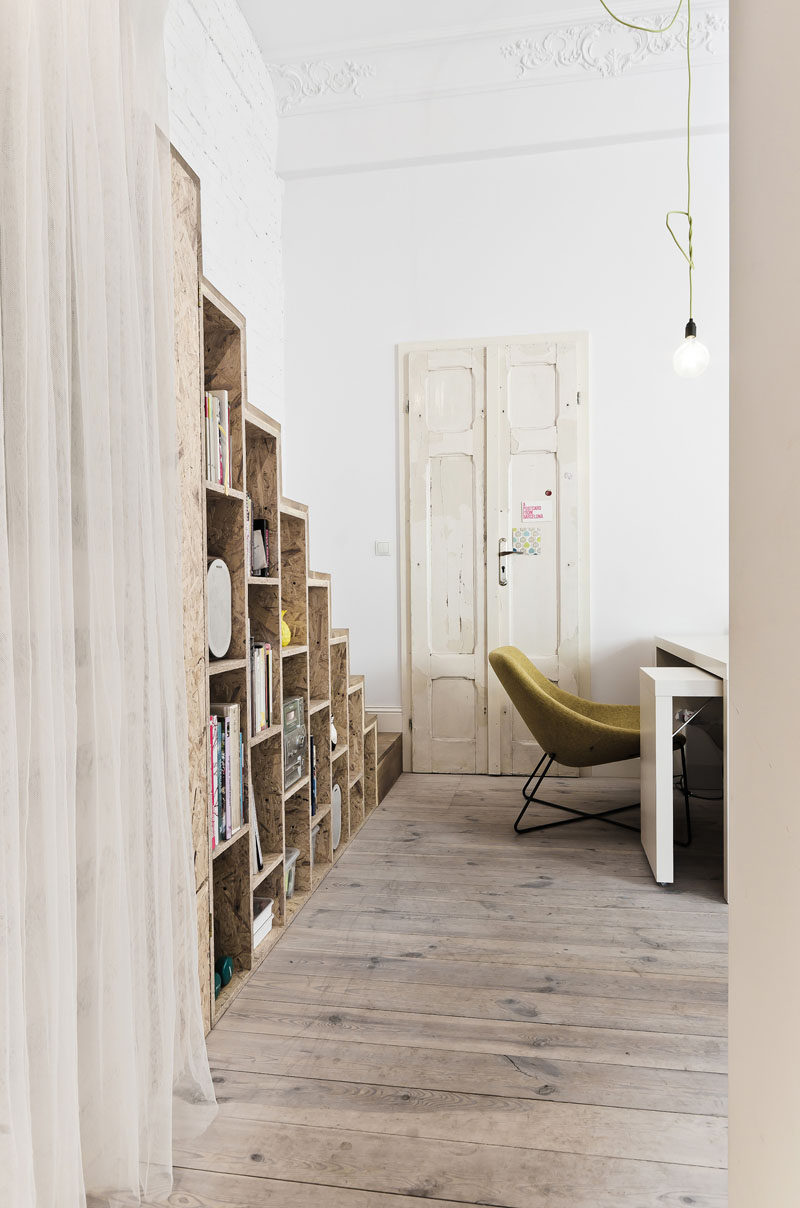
571,731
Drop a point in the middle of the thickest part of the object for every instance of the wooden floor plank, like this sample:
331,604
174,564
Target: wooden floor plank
545,892
473,1017
562,954
453,1032
532,1077
649,1136
471,974
470,1174
210,1189
546,1007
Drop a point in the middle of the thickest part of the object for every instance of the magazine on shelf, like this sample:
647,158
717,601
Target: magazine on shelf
229,766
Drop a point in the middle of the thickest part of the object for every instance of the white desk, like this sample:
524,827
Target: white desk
709,653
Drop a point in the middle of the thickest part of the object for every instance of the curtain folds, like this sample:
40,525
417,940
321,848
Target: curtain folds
102,1054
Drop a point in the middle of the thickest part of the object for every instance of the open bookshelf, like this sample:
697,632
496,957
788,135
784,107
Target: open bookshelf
211,355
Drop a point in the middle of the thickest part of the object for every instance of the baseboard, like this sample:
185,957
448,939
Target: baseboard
390,718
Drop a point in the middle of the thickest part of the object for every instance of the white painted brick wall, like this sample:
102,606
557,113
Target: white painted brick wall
224,122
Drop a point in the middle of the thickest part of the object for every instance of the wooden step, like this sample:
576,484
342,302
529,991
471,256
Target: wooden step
390,762
259,419
290,507
370,720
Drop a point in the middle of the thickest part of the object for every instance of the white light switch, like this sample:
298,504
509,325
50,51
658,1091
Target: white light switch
382,549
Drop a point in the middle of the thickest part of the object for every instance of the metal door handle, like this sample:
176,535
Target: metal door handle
502,554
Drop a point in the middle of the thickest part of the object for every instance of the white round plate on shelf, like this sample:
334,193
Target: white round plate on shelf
219,608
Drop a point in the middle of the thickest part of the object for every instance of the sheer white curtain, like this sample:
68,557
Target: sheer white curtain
100,1027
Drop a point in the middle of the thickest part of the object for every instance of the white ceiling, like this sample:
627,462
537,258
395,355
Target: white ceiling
285,27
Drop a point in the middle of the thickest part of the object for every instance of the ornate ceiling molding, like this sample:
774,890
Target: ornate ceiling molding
462,63
297,83
608,49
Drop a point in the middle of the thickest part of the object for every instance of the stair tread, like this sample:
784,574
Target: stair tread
386,742
370,719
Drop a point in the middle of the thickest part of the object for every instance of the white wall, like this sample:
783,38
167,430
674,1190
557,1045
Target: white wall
224,122
568,240
765,587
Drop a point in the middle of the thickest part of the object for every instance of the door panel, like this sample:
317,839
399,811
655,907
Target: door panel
446,426
532,438
452,547
491,426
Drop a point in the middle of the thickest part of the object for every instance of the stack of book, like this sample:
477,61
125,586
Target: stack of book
226,782
261,686
218,438
262,918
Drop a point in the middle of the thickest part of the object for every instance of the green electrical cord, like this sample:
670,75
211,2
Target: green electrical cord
688,251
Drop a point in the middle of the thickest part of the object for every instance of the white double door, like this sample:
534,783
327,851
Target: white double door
494,460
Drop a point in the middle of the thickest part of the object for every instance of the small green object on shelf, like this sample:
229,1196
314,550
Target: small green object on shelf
217,985
224,969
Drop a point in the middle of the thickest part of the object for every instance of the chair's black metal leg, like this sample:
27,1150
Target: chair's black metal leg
532,796
579,815
685,785
533,773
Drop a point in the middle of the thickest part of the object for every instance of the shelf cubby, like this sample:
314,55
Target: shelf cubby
319,627
339,681
356,804
298,832
323,852
233,905
340,776
294,566
320,729
356,728
270,884
266,771
225,538
223,361
263,483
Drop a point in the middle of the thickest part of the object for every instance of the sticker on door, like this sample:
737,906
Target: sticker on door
536,511
526,541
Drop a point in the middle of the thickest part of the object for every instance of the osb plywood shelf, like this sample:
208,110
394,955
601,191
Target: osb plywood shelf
263,735
210,354
225,493
222,666
296,787
321,814
236,837
288,652
271,862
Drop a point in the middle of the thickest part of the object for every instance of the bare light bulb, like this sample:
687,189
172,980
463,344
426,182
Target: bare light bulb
691,358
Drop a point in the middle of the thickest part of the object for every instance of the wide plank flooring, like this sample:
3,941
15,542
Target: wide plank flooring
467,1016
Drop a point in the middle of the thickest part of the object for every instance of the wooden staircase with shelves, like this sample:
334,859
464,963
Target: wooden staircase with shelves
210,354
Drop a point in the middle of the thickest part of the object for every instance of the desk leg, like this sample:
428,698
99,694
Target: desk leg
726,794
657,783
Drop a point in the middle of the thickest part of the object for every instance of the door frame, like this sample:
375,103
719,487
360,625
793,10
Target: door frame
581,341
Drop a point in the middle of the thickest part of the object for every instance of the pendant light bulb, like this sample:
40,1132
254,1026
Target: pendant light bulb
691,358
